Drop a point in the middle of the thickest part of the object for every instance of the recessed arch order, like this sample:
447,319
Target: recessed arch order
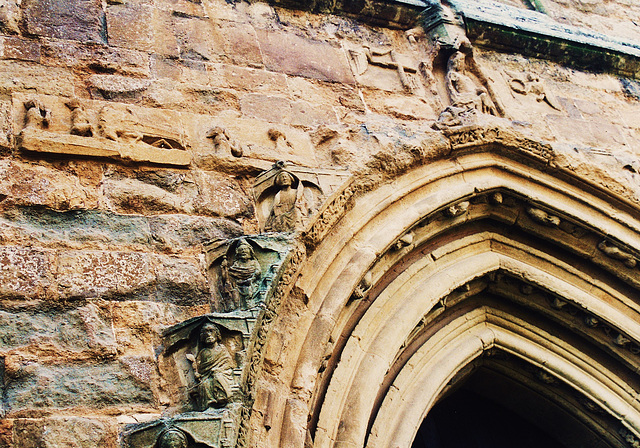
424,266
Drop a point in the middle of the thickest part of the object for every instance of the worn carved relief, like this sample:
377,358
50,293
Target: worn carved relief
223,143
37,116
286,197
464,93
614,252
201,369
240,271
530,84
384,68
92,128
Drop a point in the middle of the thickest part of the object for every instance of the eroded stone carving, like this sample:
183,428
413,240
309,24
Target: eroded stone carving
100,130
363,286
286,198
224,143
542,217
240,271
173,438
280,139
386,58
532,85
80,122
404,241
38,115
629,437
458,209
616,253
463,91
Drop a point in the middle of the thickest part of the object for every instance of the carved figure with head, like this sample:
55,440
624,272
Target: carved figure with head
173,438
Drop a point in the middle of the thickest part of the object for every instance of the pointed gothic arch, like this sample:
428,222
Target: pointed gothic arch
422,265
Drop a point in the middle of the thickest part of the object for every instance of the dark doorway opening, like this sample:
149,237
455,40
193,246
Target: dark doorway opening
491,410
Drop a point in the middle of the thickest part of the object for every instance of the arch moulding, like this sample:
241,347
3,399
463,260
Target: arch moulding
428,263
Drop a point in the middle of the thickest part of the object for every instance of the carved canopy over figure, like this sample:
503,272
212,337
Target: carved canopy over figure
463,91
241,280
288,209
213,369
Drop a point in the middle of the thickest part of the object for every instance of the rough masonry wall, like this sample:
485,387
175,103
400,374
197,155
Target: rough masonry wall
99,254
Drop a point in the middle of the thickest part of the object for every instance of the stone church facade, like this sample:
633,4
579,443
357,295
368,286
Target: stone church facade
377,223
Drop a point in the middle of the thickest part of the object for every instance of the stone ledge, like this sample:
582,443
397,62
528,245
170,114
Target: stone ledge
50,142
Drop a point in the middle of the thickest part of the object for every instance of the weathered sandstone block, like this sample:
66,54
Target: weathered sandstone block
35,386
81,20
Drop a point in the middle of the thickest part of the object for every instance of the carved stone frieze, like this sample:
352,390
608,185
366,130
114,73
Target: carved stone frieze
241,271
385,68
96,129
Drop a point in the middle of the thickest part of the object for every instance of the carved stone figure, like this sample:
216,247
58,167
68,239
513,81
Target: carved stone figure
463,91
618,254
38,116
80,123
173,438
224,143
213,369
241,280
531,84
288,209
363,286
542,217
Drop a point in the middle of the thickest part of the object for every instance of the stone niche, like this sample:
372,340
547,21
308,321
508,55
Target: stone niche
201,367
241,270
85,128
288,195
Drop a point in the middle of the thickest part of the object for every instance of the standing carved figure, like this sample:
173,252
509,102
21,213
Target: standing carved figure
287,210
241,279
463,91
213,369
